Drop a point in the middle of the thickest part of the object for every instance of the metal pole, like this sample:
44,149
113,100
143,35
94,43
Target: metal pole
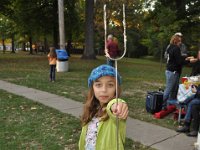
61,23
117,118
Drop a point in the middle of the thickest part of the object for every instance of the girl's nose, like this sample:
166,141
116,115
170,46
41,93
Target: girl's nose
104,88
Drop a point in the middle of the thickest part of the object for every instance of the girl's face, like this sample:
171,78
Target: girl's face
104,89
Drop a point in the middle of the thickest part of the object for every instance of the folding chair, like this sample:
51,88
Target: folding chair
179,106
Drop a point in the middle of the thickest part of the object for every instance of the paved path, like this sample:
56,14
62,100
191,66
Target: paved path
145,133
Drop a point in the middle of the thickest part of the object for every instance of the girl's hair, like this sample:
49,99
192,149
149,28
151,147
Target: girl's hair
52,52
175,39
93,108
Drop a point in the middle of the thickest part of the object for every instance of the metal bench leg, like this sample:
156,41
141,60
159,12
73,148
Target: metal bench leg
179,114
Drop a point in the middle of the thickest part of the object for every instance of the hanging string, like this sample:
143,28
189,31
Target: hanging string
124,25
105,27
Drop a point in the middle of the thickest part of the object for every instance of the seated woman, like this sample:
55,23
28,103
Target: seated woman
193,101
190,104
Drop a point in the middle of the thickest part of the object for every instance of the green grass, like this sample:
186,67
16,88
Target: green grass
27,125
138,75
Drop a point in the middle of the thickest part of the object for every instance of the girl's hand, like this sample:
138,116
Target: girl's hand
120,110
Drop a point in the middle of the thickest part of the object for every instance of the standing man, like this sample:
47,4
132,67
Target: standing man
182,46
184,54
175,62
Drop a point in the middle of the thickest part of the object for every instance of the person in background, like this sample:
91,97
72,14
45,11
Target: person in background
195,121
193,103
112,50
184,54
101,110
52,57
190,104
174,66
183,48
195,65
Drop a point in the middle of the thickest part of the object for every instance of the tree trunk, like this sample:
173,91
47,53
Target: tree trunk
61,23
69,44
55,28
4,47
89,31
24,46
13,44
45,45
30,41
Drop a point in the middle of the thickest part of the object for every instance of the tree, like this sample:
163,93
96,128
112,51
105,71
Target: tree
187,13
166,18
89,31
7,30
158,29
38,19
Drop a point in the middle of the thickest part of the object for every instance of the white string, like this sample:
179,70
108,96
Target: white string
124,25
105,27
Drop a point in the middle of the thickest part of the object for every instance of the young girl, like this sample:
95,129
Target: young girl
52,62
100,111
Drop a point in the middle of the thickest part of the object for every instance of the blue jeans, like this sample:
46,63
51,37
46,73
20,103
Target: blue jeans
188,115
172,82
52,72
189,99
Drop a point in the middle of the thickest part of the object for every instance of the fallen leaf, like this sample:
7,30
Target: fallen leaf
33,108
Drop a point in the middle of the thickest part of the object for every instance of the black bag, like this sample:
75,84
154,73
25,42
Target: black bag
154,101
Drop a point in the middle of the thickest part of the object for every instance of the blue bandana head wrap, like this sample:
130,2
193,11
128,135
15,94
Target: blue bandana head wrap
100,71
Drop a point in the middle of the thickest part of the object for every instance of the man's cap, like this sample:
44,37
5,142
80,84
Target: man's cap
178,34
110,36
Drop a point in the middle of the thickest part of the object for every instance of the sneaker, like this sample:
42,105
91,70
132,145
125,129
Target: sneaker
183,129
193,133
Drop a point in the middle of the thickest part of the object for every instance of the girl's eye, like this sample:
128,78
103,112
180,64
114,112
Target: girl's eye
111,85
97,84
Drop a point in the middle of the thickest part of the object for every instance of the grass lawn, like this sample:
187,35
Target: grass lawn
138,75
27,125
